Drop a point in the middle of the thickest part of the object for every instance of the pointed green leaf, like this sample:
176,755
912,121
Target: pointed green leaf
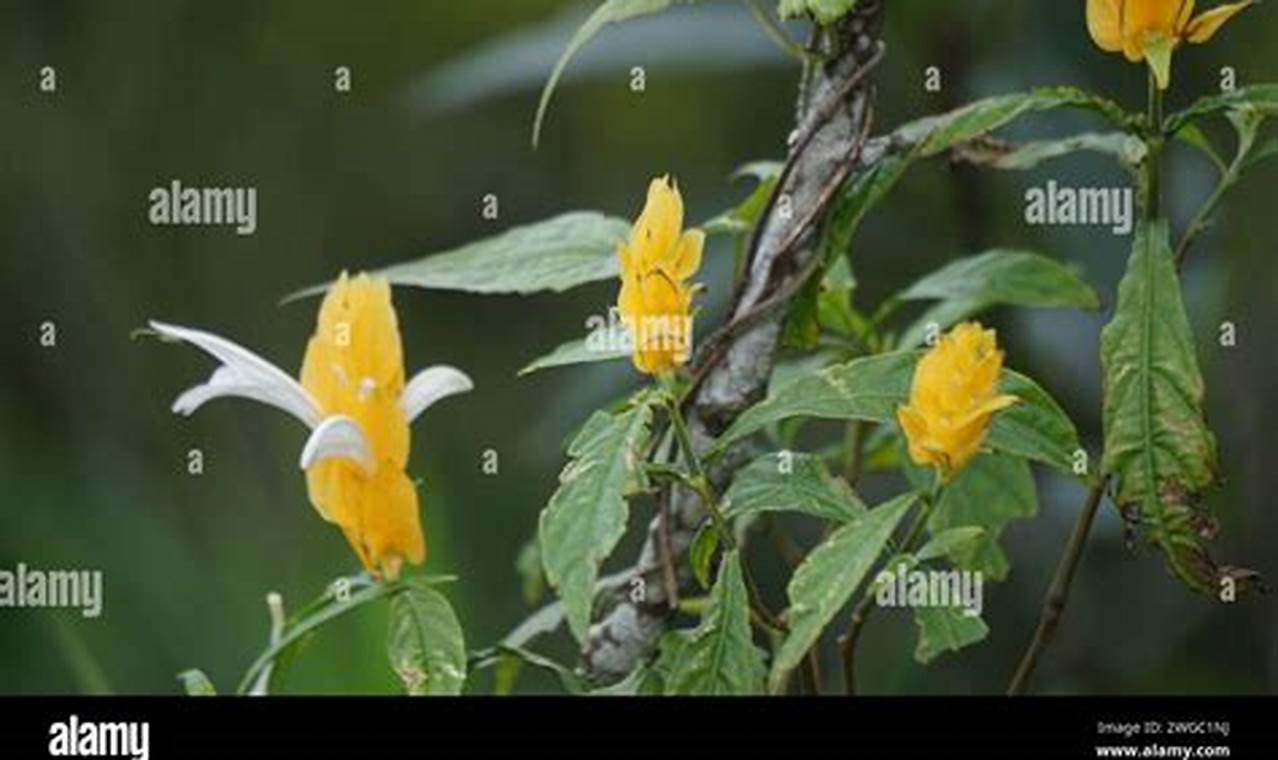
1016,278
610,12
1262,97
555,254
827,578
602,345
989,493
719,657
791,482
1157,444
941,132
945,629
425,643
587,515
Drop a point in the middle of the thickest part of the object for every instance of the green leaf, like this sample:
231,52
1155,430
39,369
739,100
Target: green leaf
425,642
824,12
719,657
555,254
1128,149
610,12
329,606
1266,150
701,553
989,493
1157,444
827,578
1262,97
945,629
939,317
739,219
196,684
602,345
871,388
856,198
868,388
791,482
934,134
1017,278
587,515
1190,134
948,541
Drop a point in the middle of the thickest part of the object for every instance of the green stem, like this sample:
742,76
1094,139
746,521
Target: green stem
866,606
1058,592
700,484
1153,169
1200,221
776,32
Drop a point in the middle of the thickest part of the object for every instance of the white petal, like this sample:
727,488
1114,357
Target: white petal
338,437
244,374
431,385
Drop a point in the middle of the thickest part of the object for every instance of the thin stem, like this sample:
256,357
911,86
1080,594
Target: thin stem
866,606
700,484
1153,173
1058,592
1200,222
776,32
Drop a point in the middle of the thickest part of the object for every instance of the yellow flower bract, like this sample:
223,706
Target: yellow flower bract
655,301
952,398
1150,30
354,366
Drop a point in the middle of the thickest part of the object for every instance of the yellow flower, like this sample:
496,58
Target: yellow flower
1152,29
655,301
354,399
952,398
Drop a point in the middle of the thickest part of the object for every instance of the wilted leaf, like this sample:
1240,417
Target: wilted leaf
1157,444
587,515
1128,149
827,578
425,643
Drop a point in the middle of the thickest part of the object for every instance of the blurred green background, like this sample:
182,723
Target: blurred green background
93,464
